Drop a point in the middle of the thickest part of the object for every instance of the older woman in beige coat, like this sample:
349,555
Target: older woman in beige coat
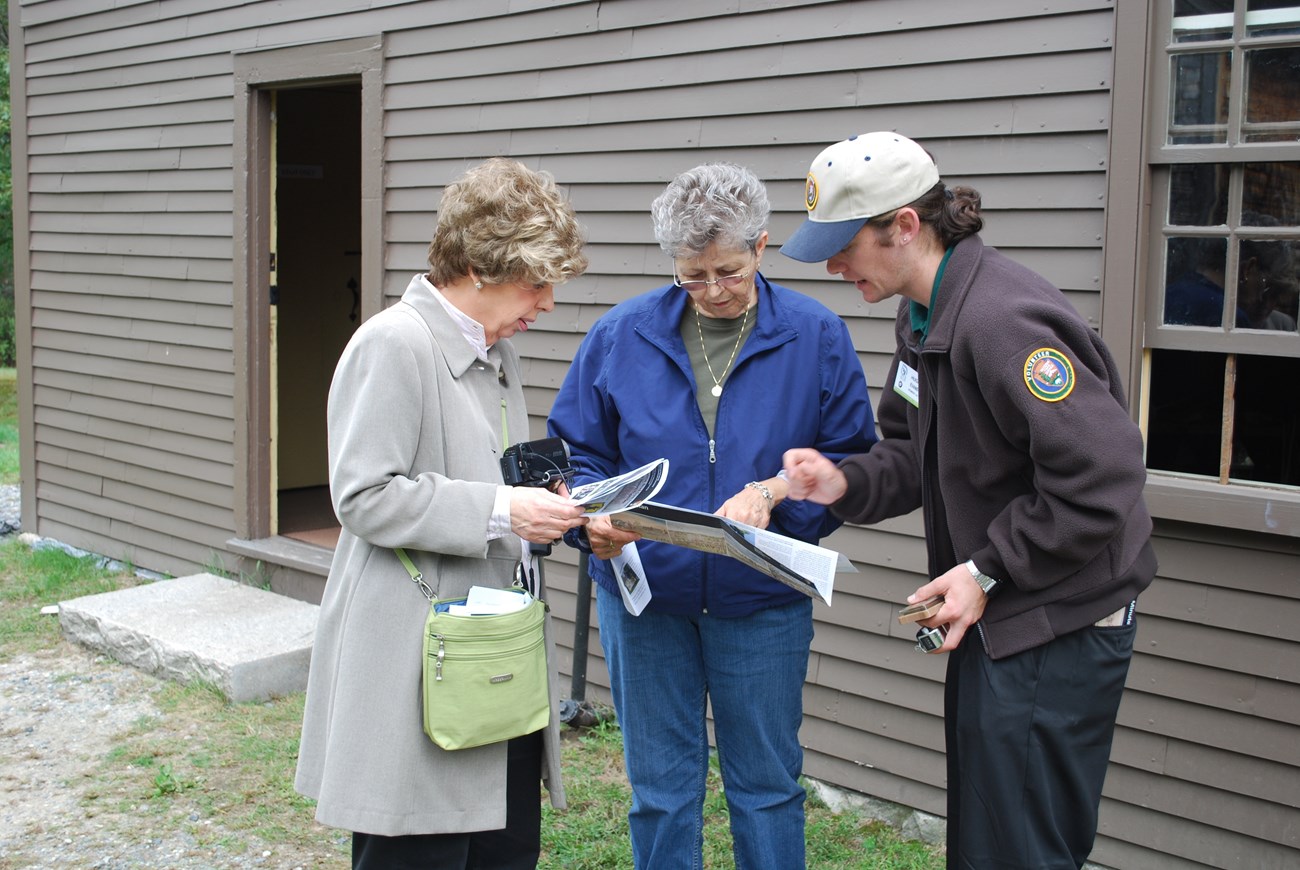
425,397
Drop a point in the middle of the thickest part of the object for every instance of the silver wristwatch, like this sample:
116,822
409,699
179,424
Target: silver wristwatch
987,583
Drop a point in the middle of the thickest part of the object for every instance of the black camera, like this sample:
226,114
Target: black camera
930,639
544,463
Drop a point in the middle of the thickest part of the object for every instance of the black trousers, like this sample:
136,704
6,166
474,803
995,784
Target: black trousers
517,846
1028,743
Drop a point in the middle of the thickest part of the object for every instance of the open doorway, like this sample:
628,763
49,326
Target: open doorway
308,253
315,294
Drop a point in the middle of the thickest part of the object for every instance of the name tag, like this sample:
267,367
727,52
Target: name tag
907,383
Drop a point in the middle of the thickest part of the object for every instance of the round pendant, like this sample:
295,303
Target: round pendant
716,391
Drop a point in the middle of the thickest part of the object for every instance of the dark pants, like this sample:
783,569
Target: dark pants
1028,743
517,846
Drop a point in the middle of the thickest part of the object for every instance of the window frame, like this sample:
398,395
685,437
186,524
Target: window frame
1133,253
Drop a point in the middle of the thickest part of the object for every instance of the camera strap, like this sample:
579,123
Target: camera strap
530,567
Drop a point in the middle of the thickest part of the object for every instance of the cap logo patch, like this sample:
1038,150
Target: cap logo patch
1049,375
810,192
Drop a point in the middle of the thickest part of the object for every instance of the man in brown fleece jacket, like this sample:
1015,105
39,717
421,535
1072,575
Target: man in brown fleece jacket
1007,425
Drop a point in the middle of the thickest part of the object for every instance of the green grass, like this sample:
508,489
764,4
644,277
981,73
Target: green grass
8,426
223,772
31,579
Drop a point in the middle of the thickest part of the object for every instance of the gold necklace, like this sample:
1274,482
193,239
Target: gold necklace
717,382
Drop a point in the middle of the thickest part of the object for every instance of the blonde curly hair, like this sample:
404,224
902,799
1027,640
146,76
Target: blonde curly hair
505,222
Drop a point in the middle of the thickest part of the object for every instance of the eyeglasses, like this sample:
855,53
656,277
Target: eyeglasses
726,282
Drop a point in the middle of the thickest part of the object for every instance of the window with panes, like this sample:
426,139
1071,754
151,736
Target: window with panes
1222,344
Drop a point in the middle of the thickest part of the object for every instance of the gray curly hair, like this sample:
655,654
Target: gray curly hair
714,202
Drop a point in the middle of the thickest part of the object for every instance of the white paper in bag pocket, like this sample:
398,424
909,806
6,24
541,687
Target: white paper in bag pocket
484,600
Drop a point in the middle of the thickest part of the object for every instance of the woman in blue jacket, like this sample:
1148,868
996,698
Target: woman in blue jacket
720,372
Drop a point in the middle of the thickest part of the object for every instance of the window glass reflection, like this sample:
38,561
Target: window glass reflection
1198,195
1271,194
1201,83
1202,20
1266,286
1272,95
1194,286
1272,17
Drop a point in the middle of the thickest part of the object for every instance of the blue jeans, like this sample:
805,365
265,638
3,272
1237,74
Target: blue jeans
663,671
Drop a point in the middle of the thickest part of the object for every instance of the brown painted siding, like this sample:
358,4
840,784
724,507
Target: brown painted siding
1204,765
129,165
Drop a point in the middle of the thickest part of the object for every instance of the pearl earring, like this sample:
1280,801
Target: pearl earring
478,285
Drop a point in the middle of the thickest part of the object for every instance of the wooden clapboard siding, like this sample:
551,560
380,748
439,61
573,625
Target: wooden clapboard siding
1189,762
1210,684
100,78
548,344
213,493
130,168
133,526
114,349
120,459
1262,820
1205,754
133,308
125,162
213,383
127,202
133,544
144,417
181,447
72,323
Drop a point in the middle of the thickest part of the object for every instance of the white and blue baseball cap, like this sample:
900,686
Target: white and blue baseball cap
853,181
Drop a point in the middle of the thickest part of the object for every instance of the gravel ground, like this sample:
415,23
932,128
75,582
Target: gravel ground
61,711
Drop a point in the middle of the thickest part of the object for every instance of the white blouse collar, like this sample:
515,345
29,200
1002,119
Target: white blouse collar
469,327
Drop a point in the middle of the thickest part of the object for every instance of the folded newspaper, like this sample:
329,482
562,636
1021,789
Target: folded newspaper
807,567
624,492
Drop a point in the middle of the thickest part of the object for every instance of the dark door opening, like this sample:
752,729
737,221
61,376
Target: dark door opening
316,292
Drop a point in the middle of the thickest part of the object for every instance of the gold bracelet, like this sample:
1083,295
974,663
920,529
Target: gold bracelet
762,490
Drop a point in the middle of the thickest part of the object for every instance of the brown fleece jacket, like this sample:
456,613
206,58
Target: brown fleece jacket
1021,453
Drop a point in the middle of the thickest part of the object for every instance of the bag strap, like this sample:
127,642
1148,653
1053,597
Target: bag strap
416,577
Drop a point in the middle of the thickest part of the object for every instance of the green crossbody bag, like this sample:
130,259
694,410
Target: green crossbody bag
484,677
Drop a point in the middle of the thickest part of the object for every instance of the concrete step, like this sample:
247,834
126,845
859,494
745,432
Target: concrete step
249,643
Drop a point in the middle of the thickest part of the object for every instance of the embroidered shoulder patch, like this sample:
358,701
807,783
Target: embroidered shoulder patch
1049,375
810,192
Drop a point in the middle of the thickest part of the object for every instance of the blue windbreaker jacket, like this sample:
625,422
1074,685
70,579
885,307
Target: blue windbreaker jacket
629,398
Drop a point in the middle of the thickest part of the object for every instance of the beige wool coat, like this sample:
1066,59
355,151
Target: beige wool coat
415,440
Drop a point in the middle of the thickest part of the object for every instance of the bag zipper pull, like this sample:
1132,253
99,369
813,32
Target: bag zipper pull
437,667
